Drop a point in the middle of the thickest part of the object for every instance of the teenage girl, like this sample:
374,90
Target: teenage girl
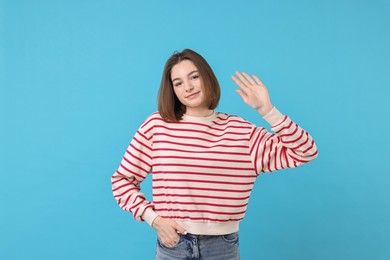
203,163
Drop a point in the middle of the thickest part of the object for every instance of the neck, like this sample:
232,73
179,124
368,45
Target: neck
199,113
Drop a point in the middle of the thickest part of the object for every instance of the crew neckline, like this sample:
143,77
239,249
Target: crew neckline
200,118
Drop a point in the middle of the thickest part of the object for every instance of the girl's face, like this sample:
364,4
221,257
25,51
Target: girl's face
189,89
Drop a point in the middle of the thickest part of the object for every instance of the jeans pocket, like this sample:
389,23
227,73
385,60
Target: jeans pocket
231,238
163,246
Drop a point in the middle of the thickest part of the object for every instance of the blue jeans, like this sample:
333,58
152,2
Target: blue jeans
201,247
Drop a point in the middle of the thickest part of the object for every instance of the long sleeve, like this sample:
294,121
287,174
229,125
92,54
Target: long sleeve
289,146
134,167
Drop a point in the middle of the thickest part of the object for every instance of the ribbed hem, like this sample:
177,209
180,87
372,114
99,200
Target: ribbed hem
274,117
209,228
149,216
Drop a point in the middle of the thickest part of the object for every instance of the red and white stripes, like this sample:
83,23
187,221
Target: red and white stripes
204,168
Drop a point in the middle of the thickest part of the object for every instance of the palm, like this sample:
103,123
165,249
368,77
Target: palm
253,92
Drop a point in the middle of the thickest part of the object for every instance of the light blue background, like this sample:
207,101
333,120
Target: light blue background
77,78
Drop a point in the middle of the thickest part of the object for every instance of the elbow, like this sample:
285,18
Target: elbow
310,155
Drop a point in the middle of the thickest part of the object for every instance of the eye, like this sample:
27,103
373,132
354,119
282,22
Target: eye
177,84
195,77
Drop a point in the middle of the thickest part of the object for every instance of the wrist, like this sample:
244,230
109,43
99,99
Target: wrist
149,216
264,110
274,117
155,223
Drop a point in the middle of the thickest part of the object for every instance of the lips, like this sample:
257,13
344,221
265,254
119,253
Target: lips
192,95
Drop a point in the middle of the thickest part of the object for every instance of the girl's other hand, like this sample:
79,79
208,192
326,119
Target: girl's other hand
168,231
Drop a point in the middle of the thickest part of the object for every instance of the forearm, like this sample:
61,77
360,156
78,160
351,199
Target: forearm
292,136
127,193
290,145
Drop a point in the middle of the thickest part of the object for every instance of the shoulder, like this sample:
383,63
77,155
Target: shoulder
152,119
147,127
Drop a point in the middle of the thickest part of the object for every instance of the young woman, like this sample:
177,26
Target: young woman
203,163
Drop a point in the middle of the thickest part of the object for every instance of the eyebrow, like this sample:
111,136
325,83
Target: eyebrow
192,72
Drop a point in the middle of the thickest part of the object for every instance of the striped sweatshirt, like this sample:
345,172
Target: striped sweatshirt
203,168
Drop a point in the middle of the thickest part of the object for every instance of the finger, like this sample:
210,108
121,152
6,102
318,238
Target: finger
258,81
180,229
243,79
173,241
242,95
169,239
239,83
251,81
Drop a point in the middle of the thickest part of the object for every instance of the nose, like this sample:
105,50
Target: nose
188,86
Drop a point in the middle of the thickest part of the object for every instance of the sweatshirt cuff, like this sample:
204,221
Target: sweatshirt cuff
149,216
274,117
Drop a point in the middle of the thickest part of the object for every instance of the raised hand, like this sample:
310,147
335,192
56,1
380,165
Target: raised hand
253,92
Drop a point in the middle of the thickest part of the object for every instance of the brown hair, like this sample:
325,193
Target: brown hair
169,105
